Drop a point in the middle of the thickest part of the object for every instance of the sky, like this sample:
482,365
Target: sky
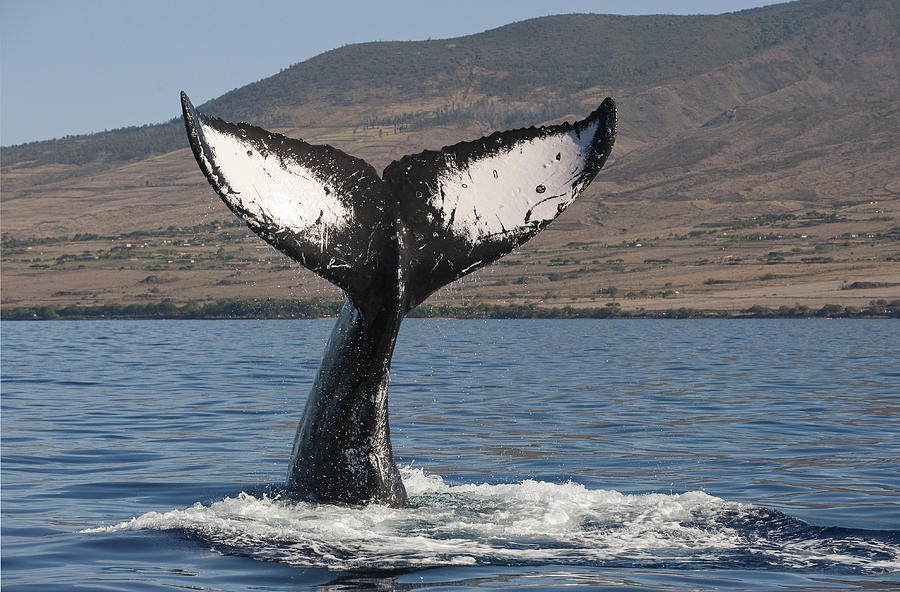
80,66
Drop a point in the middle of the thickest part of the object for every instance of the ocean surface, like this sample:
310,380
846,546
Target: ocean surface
539,455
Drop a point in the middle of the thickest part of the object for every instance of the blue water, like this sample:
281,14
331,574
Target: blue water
603,455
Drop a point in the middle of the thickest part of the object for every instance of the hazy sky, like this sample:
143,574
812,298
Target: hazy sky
81,66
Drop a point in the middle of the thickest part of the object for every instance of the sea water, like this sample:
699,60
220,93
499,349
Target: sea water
625,455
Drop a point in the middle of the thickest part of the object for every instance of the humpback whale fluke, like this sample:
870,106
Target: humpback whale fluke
388,242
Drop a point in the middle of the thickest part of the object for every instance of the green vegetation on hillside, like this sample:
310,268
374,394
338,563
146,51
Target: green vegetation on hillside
309,309
128,143
552,56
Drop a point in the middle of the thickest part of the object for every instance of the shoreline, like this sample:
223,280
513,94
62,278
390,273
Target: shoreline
235,309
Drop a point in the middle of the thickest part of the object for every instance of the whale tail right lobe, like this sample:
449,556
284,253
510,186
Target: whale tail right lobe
469,204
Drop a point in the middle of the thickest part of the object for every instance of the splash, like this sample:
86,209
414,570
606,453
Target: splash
527,523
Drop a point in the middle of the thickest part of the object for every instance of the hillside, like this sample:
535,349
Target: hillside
755,164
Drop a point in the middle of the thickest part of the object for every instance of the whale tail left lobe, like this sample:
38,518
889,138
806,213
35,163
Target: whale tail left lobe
316,204
389,242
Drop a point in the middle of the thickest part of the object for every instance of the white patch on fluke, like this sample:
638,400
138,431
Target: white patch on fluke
275,191
531,183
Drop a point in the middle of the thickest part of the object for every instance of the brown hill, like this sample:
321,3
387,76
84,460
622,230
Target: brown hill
756,163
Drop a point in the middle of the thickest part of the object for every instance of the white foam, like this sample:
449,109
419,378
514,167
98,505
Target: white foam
527,522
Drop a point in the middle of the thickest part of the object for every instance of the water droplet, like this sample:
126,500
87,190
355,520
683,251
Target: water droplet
558,155
249,152
540,189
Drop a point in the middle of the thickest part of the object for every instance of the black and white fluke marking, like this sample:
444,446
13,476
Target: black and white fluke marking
388,241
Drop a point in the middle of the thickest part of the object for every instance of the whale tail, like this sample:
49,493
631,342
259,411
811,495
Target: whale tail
457,209
388,242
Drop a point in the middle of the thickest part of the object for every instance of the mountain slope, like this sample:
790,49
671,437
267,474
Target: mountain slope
543,60
750,146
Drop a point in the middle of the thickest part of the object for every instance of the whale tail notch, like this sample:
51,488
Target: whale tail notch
455,210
